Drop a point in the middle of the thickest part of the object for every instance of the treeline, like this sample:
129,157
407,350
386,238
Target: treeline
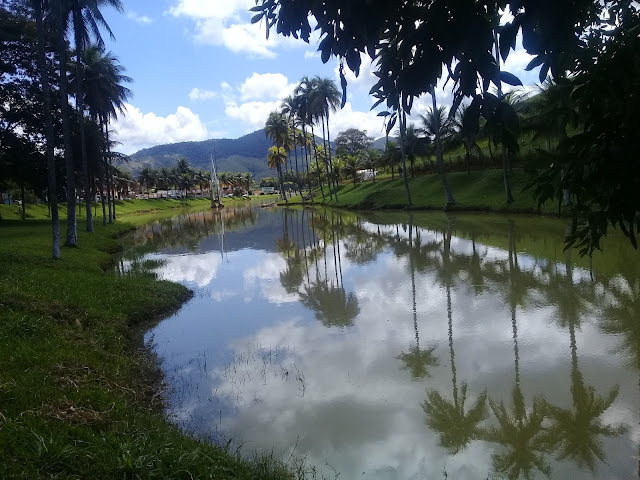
588,48
537,116
185,178
56,107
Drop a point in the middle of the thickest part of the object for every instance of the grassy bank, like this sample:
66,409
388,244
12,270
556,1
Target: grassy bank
123,207
78,396
479,190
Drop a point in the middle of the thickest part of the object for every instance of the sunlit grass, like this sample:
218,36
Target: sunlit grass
78,396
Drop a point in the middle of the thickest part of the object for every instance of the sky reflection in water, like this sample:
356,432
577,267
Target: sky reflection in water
402,345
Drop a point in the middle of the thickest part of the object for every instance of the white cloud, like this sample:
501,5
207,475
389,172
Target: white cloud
252,114
311,54
143,19
198,94
208,9
136,130
349,118
268,86
227,24
253,100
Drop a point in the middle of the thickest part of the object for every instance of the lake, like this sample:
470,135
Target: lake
395,345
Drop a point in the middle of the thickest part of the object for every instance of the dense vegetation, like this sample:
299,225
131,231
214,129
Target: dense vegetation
588,48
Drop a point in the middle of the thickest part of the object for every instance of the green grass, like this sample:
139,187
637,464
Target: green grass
123,207
479,190
78,395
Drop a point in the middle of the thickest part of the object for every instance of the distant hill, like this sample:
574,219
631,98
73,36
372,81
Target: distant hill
247,153
379,143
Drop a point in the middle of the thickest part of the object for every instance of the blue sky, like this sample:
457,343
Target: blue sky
201,70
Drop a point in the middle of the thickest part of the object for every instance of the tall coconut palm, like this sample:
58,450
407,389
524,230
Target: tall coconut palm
59,17
105,95
87,19
304,93
325,99
437,125
43,67
277,128
289,107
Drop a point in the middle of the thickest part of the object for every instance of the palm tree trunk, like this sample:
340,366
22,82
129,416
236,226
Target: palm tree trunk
439,157
295,152
330,159
77,20
506,168
282,192
107,172
306,156
49,132
403,127
72,234
326,160
315,149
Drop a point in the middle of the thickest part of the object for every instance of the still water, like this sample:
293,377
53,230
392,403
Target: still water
400,345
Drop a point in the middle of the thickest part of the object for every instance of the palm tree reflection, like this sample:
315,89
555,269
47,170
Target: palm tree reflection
575,432
416,361
456,426
519,430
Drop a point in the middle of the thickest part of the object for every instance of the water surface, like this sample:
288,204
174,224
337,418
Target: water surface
399,345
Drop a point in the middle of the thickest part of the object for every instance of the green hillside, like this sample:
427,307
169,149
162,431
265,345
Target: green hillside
247,153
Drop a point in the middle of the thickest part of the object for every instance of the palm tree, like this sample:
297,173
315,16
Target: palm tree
391,156
59,12
326,99
277,128
43,68
105,95
436,125
467,132
87,18
411,145
351,167
275,159
147,178
289,107
304,95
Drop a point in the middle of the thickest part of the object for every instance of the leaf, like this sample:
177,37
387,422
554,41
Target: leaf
383,114
392,123
257,8
510,79
543,72
539,60
256,18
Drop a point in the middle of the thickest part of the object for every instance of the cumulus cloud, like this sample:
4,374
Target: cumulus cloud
200,94
136,130
142,19
349,118
227,24
269,86
256,97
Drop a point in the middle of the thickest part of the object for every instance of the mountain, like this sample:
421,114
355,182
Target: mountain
247,153
379,143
